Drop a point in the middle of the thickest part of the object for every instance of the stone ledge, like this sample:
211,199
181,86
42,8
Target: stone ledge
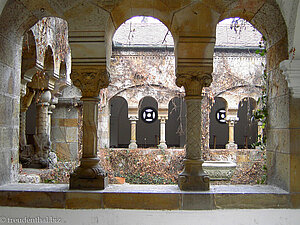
153,197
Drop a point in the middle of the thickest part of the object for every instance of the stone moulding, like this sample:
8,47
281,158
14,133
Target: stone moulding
219,170
147,197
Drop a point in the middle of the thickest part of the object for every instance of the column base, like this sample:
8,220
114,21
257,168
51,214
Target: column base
132,145
193,178
231,146
163,146
89,176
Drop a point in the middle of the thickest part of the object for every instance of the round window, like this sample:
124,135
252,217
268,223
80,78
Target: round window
149,115
221,115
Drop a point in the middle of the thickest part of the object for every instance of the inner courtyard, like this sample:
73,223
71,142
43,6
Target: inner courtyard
89,103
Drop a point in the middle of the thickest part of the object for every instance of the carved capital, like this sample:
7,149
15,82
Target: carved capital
43,80
193,82
133,118
231,120
90,80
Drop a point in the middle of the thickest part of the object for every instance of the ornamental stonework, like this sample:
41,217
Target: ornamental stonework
193,82
90,80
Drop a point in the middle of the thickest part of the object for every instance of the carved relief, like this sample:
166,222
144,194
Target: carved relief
193,145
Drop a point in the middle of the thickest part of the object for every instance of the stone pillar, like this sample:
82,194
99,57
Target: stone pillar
26,100
42,139
103,126
162,141
52,106
231,121
193,177
260,133
89,175
133,144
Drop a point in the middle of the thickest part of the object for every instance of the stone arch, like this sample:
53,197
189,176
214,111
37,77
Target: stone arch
28,53
176,123
142,98
49,60
246,128
63,69
119,123
147,133
266,17
218,131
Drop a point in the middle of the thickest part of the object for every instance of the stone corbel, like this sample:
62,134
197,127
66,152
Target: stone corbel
291,70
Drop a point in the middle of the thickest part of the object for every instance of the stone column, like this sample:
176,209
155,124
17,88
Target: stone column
89,175
162,141
260,133
42,139
193,177
26,100
231,121
133,144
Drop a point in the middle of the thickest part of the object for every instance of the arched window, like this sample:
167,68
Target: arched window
148,131
218,128
246,127
176,123
119,123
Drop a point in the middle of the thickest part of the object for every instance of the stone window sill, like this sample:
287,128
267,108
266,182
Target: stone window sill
153,197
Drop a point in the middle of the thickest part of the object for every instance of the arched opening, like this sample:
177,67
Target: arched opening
218,135
143,66
63,69
119,123
28,53
176,123
49,60
246,127
148,123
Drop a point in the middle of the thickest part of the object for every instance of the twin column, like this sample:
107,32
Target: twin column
162,143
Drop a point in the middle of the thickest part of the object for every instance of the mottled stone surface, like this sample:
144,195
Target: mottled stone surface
159,197
64,130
